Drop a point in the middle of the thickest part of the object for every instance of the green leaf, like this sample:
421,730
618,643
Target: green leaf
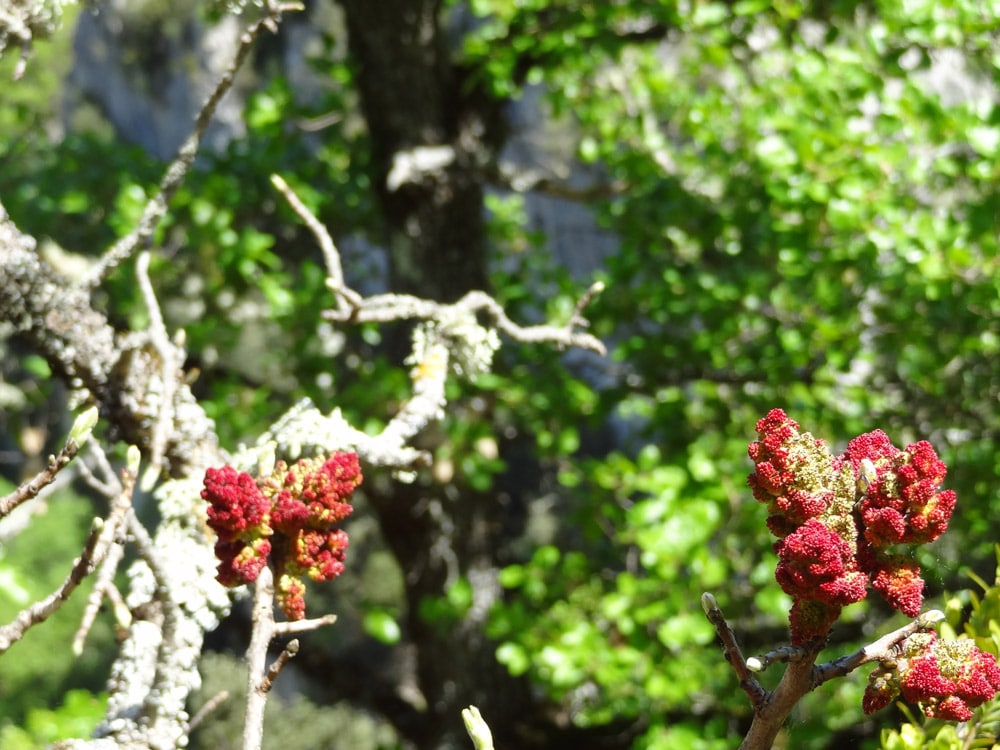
382,626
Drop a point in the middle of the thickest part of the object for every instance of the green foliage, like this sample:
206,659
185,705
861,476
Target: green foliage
807,222
293,723
80,712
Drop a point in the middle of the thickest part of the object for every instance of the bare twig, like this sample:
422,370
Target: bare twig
178,169
347,298
780,654
293,627
102,536
103,585
42,479
171,360
748,682
287,653
79,433
217,700
383,308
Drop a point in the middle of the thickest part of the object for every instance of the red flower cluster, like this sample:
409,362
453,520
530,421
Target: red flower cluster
286,518
838,519
237,515
901,504
946,678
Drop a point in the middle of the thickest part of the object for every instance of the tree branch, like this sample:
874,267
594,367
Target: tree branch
156,208
99,542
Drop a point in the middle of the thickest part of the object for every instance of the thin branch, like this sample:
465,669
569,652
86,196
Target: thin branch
104,583
347,299
782,654
876,651
102,536
217,700
264,630
383,308
294,627
287,654
156,208
748,682
260,639
45,477
171,360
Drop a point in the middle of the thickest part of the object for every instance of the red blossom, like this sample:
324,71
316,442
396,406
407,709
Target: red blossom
875,446
288,517
289,514
815,563
799,505
811,620
904,506
320,555
951,708
312,491
240,563
922,680
236,502
291,596
884,527
882,689
946,678
898,581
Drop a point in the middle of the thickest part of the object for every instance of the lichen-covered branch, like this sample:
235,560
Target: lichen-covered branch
21,23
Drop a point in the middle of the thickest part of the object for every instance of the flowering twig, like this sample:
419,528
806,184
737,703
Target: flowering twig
156,208
877,651
840,521
259,678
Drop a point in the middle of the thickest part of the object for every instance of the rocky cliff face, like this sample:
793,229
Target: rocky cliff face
147,66
147,69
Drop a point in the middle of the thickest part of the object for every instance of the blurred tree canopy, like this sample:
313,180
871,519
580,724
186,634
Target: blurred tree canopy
802,201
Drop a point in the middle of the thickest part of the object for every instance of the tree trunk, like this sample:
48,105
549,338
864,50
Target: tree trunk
419,110
432,140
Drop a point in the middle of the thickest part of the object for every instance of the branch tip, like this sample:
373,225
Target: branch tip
930,618
83,426
708,603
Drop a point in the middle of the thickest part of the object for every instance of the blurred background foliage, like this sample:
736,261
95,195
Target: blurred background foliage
806,201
